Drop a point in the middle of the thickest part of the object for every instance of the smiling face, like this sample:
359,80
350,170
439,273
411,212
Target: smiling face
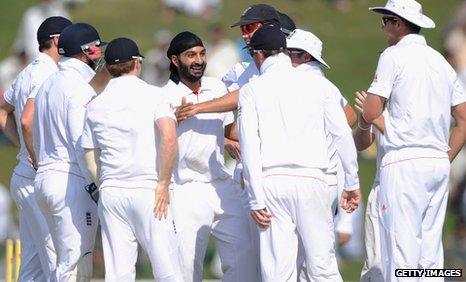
191,63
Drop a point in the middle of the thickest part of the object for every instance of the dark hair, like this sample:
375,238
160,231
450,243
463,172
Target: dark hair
117,70
45,45
268,53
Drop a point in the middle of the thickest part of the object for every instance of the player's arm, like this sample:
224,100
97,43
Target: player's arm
92,159
27,118
168,153
350,115
226,103
231,141
337,126
248,126
363,136
7,121
458,132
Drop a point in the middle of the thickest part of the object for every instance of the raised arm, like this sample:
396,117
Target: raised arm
226,103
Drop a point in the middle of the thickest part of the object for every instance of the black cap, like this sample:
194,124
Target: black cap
268,37
183,41
51,26
287,25
258,13
121,50
76,38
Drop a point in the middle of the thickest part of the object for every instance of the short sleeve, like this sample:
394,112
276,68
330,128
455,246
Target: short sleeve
384,77
229,118
163,109
459,93
88,140
8,96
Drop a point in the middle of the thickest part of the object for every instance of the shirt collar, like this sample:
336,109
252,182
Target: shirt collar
78,66
185,90
312,66
272,62
412,39
116,81
46,59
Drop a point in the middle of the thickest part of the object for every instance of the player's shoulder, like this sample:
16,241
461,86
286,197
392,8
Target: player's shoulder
212,82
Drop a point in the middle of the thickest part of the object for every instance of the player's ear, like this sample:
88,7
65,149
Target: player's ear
55,40
175,60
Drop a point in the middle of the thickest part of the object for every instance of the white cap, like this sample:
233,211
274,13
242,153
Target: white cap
409,10
307,41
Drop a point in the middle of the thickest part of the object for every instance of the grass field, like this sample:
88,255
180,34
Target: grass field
352,43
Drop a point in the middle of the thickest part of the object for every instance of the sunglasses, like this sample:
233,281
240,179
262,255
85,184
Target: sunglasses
250,28
386,19
295,52
252,51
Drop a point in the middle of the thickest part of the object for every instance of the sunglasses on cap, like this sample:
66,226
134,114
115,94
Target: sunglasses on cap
296,52
250,28
386,19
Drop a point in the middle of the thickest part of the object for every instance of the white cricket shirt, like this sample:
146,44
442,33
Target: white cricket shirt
200,138
121,123
60,107
421,87
313,68
282,118
25,86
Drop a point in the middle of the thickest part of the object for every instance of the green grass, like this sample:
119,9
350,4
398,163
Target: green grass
352,42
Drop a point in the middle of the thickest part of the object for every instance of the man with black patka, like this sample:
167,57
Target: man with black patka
206,199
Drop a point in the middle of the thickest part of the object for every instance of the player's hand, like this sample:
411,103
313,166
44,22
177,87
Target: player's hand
162,200
185,110
343,238
233,149
261,217
359,100
350,200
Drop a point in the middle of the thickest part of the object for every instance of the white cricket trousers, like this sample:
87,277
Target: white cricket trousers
216,208
372,269
299,206
412,206
38,258
127,217
72,218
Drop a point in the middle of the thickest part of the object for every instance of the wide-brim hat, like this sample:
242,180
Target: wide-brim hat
306,41
409,10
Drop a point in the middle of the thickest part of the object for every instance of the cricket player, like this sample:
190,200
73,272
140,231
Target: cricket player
60,107
282,118
421,92
364,135
38,258
305,51
130,142
206,199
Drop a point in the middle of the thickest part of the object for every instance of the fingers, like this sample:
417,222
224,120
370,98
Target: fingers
185,111
262,218
161,205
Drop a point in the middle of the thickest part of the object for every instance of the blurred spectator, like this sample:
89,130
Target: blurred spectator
10,67
222,53
26,39
156,64
198,8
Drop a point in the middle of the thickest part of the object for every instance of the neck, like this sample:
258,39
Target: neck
52,54
194,86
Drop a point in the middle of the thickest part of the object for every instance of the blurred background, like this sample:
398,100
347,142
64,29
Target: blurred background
352,39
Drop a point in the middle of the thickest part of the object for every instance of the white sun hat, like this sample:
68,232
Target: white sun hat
409,10
307,41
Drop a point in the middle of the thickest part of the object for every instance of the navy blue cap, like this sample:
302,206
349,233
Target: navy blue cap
258,13
287,24
268,37
76,38
121,50
51,26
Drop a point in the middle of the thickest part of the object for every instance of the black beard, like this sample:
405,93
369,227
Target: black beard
91,64
183,72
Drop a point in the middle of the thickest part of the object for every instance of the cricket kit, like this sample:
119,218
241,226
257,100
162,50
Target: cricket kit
278,133
206,199
38,258
120,123
70,212
420,87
